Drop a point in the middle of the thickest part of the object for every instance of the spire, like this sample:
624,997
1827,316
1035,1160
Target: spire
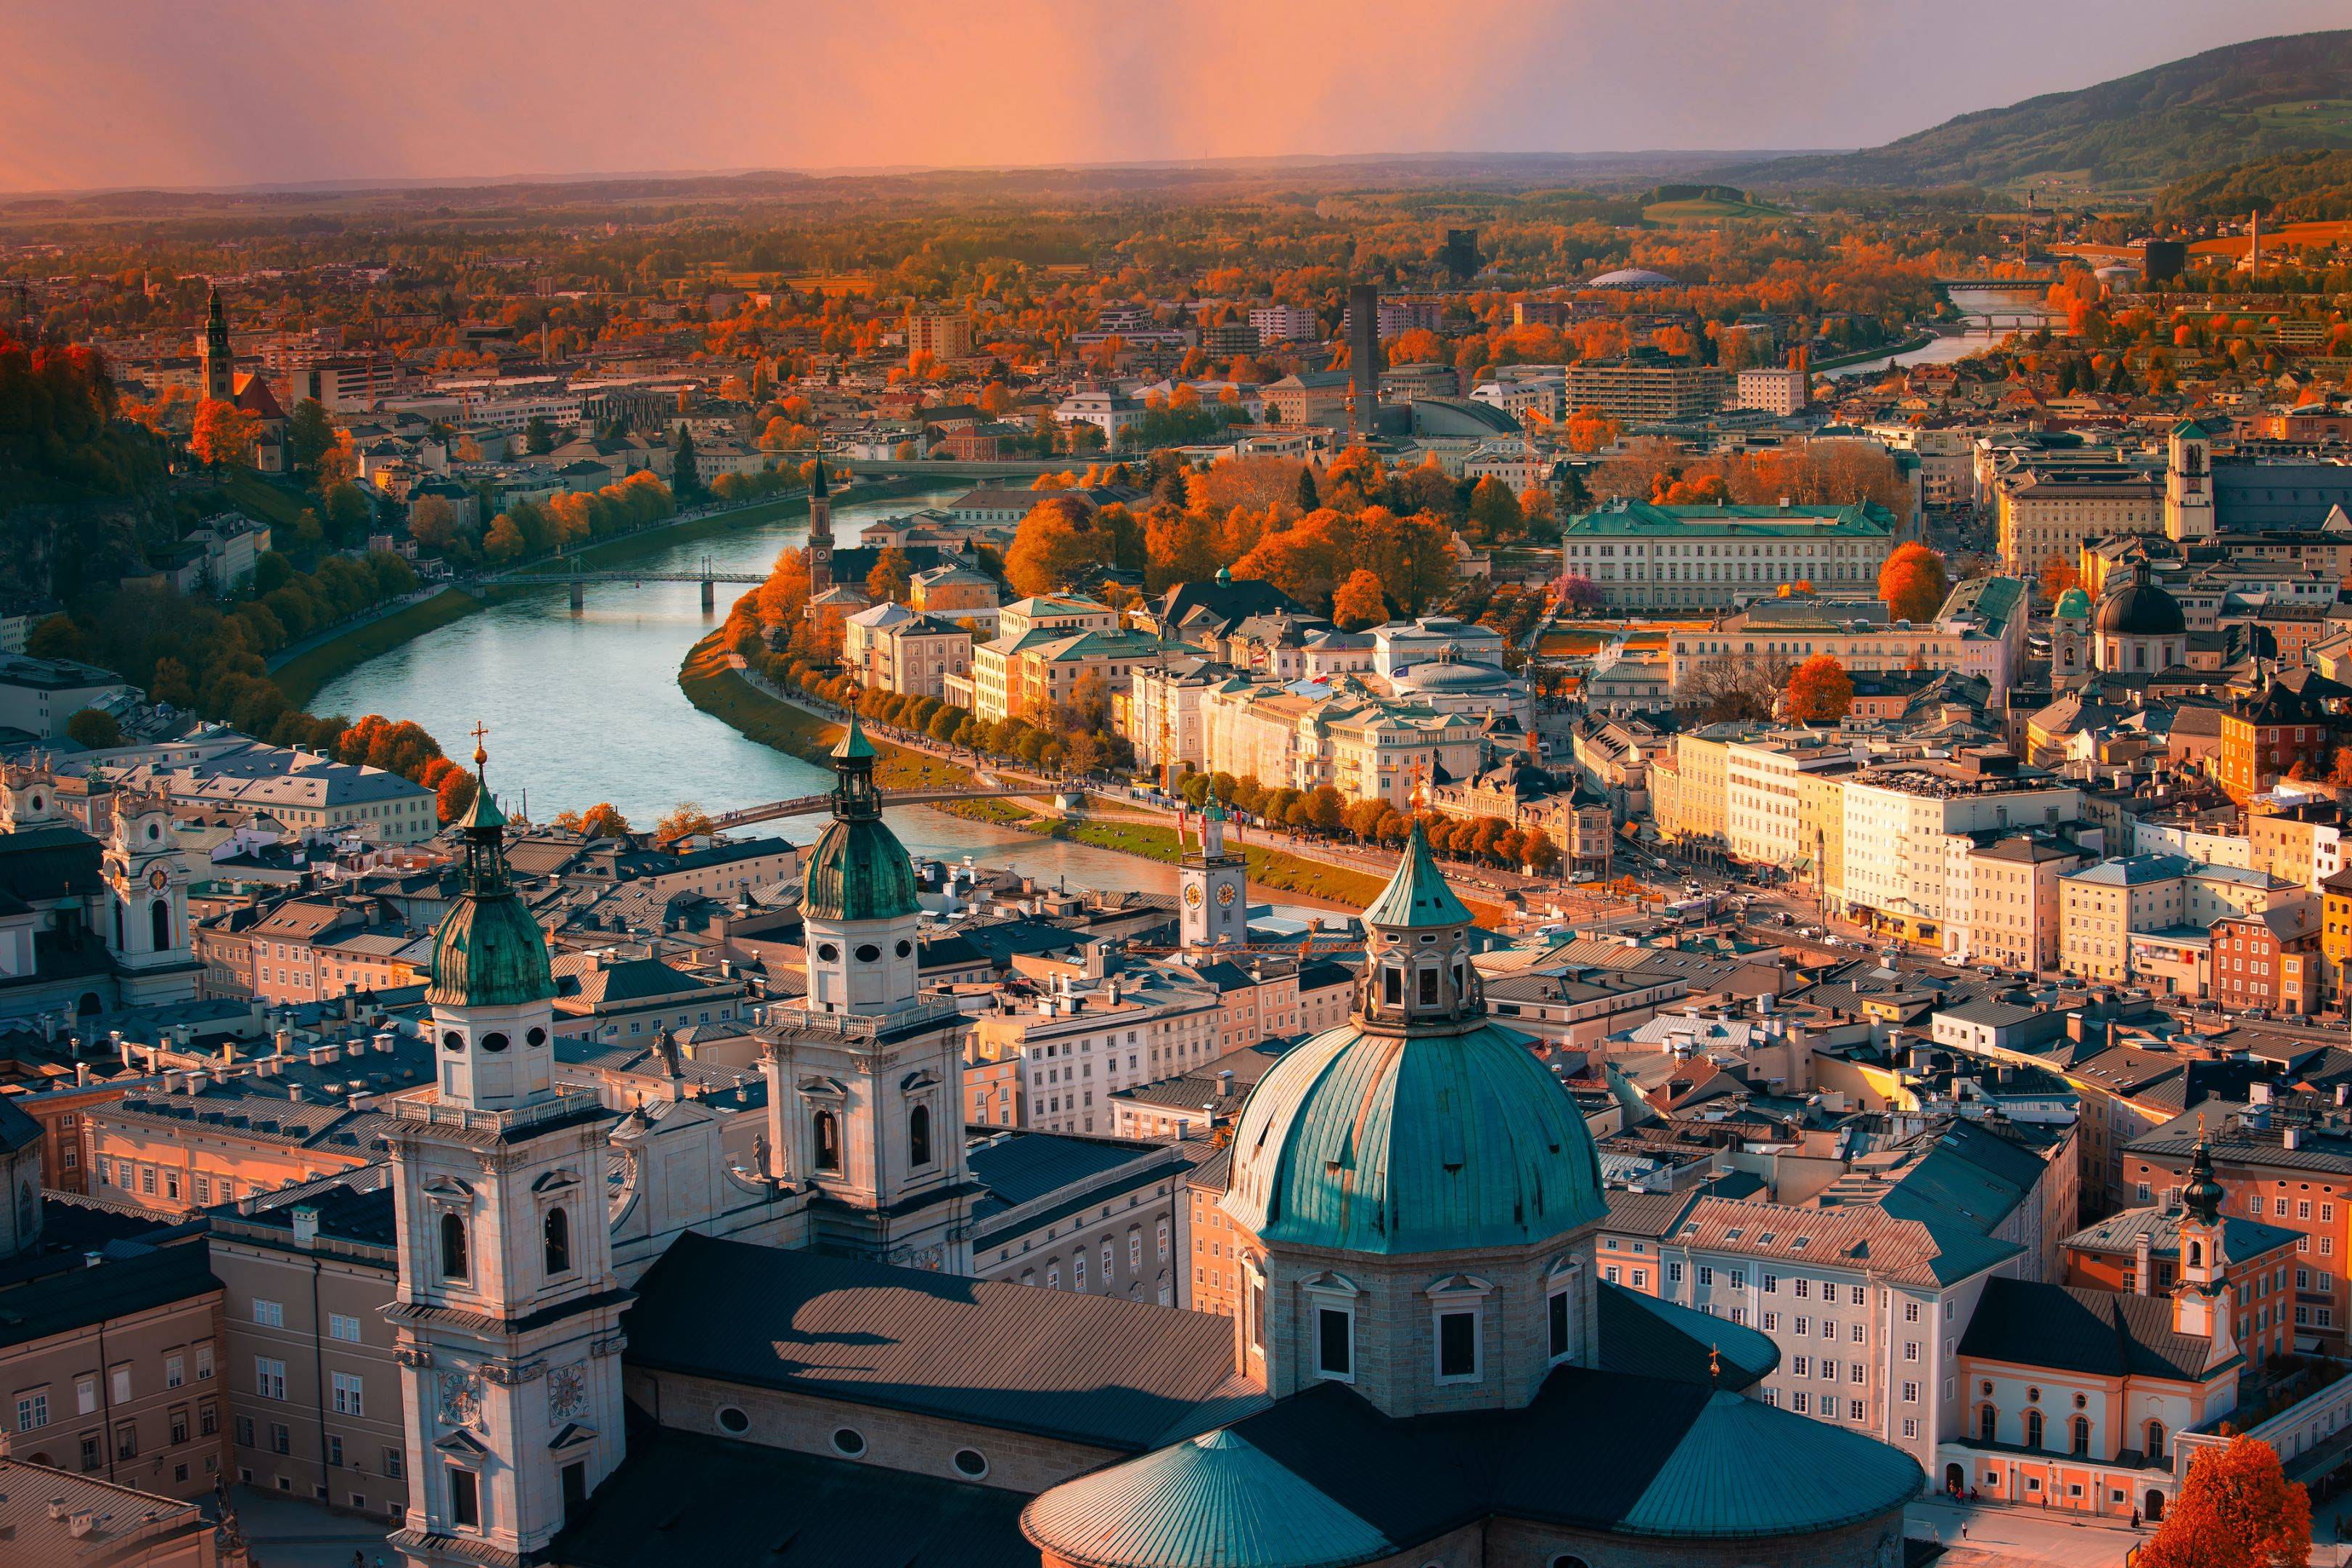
484,826
1417,894
817,491
853,795
2203,1195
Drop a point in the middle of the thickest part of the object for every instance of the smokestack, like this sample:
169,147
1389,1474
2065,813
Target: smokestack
2254,251
1364,359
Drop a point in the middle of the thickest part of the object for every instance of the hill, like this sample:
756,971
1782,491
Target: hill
2225,106
2310,186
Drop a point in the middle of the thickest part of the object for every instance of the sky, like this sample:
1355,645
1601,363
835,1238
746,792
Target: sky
229,92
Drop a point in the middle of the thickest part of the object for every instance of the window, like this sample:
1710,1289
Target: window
734,1418
1556,1321
342,1326
126,1441
555,1241
179,1428
465,1499
395,1463
455,1264
1334,1342
245,1431
2033,1428
269,1315
32,1410
347,1391
204,1362
971,1462
847,1441
1910,1393
208,1419
268,1377
918,1135
2154,1446
825,1130
123,1384
1458,1345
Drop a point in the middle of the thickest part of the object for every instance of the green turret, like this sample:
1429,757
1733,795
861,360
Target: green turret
489,951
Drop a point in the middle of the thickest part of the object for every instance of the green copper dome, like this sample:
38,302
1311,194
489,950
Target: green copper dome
488,951
857,869
2074,604
1419,1143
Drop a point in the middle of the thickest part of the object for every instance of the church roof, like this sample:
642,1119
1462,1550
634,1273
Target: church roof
2100,1332
1085,1369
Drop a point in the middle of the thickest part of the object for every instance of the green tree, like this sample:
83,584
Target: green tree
56,636
538,436
95,728
349,511
310,433
683,478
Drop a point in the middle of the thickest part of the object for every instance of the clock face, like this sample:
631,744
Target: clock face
1192,894
1225,894
159,878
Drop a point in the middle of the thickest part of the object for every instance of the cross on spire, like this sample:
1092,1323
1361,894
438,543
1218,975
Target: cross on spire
480,756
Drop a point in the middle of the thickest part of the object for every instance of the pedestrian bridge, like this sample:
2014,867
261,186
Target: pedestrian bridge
817,804
707,574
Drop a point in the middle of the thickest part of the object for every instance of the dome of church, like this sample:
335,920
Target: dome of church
1412,1128
857,869
488,951
1450,675
2141,610
2074,604
1634,278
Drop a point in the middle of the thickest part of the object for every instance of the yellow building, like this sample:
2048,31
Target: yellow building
2041,512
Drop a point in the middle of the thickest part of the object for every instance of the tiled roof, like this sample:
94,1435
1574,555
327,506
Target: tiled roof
2100,1332
1856,1238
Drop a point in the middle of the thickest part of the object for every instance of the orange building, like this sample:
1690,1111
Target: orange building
1215,1285
2295,719
312,949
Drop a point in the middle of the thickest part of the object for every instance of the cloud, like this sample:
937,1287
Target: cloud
245,91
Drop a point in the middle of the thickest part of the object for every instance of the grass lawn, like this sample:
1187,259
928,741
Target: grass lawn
258,497
1709,210
716,686
300,677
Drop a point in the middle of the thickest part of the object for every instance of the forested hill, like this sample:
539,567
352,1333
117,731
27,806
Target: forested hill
2225,106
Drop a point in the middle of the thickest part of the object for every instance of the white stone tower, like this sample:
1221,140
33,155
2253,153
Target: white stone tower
508,1313
1213,886
2189,484
146,925
866,1080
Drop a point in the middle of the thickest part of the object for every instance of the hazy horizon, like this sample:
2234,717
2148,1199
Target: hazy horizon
274,93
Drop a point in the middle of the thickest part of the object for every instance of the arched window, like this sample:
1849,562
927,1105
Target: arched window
2082,1435
28,1213
159,924
826,1132
2196,1254
1988,1425
121,941
555,1237
2033,1428
2155,1440
1392,985
918,1135
453,1262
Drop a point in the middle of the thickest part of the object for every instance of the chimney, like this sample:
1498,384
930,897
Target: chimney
1225,1083
383,1041
306,1223
2142,1263
2291,1136
1363,360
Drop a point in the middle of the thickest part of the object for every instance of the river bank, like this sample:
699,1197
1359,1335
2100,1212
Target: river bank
713,684
301,672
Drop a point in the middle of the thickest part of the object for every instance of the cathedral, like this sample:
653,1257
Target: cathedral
618,1348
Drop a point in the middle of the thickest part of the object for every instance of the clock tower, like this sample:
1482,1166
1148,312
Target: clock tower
219,363
147,894
1215,887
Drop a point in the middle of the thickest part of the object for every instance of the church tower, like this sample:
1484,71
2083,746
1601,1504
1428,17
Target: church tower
220,364
820,533
864,1079
146,923
2201,1302
1214,886
2188,485
507,1315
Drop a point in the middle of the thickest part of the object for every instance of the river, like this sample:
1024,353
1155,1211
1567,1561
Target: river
586,708
1984,307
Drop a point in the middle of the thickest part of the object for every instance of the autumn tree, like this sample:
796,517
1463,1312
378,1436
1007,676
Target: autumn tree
1495,512
2058,574
1062,541
601,820
1357,602
1912,581
2236,1510
94,728
225,435
1736,691
1819,691
687,819
309,435
892,576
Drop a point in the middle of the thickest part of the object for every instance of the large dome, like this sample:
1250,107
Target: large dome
859,871
1384,1143
1634,278
2074,604
1449,675
2141,610
489,952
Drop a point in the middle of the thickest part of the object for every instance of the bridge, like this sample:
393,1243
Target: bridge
2042,283
816,804
707,574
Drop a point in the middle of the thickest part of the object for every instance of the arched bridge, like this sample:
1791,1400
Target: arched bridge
815,804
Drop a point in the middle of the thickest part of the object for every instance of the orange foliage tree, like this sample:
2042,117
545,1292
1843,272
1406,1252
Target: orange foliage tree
602,820
1357,604
224,434
1819,691
1912,581
2058,574
2236,1510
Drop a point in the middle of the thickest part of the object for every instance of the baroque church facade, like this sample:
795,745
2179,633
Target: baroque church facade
619,1348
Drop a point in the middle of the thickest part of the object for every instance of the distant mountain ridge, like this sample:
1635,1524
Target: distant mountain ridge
2225,106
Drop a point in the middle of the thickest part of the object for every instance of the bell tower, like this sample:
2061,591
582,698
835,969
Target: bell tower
2189,484
507,1316
2201,1302
864,1078
146,924
820,531
220,364
1214,886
